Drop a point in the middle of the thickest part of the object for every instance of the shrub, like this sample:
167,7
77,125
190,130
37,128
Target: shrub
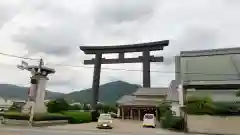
178,123
78,117
163,108
49,117
57,106
193,108
168,121
226,109
201,106
37,117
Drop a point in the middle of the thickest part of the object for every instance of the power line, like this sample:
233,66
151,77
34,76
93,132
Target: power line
79,66
166,72
73,66
119,69
15,56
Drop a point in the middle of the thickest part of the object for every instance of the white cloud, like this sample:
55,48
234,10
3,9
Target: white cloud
54,30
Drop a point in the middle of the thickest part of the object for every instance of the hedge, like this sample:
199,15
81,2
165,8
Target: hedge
169,121
37,117
72,117
78,117
163,108
213,108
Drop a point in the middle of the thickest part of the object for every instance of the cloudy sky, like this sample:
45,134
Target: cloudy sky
54,30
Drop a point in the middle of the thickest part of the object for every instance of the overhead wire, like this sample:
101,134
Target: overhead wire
15,56
105,68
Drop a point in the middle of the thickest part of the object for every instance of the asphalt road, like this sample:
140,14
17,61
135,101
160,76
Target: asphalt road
39,131
25,131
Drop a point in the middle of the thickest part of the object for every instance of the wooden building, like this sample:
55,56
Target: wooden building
144,100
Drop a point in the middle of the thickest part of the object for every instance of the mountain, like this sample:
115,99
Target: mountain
108,93
17,92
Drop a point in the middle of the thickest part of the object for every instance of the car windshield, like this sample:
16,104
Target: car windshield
149,116
104,117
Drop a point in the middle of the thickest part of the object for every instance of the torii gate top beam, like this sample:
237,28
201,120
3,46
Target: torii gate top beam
150,46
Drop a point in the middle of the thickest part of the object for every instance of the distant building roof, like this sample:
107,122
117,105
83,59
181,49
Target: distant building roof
151,91
126,98
142,103
210,67
134,100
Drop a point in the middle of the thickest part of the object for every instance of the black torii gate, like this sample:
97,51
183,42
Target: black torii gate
145,48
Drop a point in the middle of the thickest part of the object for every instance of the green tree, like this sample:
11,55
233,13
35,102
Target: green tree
163,108
57,105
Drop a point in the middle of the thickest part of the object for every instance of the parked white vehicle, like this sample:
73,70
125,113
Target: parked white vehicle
149,120
105,121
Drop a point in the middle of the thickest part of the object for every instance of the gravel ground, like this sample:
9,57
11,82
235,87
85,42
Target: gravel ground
210,124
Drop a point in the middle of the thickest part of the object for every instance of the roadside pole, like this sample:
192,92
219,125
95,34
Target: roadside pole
182,93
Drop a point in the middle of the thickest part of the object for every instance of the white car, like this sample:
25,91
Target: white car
149,120
105,121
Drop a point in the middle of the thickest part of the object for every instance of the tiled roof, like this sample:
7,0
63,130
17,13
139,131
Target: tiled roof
151,91
126,98
170,92
133,100
142,103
